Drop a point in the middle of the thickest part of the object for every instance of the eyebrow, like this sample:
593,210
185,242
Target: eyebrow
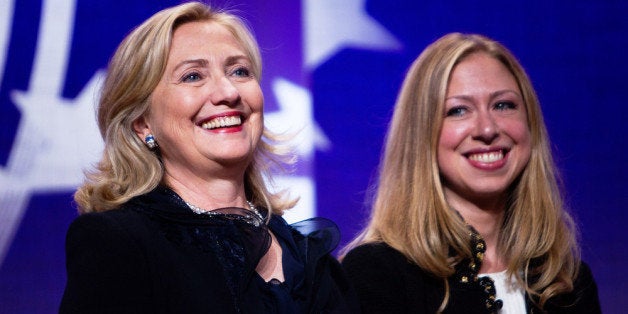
201,62
492,95
505,91
237,58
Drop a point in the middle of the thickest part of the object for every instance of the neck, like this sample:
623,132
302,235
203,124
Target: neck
207,193
486,218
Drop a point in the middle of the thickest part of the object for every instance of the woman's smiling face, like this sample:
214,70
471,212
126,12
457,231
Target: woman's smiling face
485,140
206,113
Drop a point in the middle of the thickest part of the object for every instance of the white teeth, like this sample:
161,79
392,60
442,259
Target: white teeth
222,122
487,157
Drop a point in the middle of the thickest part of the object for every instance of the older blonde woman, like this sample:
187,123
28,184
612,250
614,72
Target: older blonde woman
176,217
468,216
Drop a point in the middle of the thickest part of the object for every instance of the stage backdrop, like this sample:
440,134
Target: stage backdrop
332,70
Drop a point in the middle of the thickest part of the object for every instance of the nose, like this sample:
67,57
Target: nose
486,128
224,92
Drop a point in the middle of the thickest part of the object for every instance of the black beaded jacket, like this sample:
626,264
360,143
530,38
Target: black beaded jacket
387,282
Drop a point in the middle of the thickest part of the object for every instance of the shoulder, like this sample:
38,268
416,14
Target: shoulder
585,276
582,299
102,236
373,248
380,259
104,262
379,262
585,289
387,282
373,253
108,224
108,217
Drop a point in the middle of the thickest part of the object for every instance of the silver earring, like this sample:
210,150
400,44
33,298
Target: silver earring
150,142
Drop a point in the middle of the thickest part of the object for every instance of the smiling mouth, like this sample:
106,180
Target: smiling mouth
487,157
222,122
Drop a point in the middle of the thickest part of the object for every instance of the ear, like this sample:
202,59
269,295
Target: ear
141,127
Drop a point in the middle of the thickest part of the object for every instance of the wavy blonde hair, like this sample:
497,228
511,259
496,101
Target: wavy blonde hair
410,212
128,168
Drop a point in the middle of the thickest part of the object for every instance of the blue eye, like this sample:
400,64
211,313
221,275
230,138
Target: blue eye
191,77
456,111
242,72
505,105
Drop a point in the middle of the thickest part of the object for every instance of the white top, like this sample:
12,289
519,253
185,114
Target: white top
509,291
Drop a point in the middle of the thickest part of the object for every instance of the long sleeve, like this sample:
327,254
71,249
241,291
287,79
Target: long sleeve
386,282
105,268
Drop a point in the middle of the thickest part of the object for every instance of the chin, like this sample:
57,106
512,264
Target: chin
489,194
235,159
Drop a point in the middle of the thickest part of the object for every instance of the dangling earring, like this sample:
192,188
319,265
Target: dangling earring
150,142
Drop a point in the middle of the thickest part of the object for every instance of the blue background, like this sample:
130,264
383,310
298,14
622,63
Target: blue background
574,52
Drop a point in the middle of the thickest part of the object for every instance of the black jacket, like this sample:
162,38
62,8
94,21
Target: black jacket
153,255
387,282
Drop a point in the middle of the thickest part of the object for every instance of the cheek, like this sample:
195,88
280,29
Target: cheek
451,135
165,117
251,93
525,142
255,98
169,104
519,132
171,118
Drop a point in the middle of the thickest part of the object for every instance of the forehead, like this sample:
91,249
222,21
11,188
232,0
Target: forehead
203,37
482,71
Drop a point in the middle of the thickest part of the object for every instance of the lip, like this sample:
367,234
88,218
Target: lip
228,129
222,114
487,152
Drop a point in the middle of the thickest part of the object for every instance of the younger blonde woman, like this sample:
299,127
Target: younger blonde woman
468,216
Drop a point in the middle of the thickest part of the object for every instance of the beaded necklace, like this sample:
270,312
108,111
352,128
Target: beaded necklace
202,211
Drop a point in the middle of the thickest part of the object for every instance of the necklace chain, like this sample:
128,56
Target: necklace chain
202,211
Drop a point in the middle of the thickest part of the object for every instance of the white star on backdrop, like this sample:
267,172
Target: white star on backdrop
330,25
56,138
6,19
295,117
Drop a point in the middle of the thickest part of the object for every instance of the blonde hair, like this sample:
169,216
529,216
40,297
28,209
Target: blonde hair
410,212
128,168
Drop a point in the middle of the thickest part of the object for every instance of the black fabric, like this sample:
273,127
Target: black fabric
153,255
387,282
